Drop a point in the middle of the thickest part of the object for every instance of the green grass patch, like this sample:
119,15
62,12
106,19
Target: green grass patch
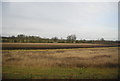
18,72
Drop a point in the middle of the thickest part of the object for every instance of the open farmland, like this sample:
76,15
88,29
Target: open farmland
59,40
77,63
52,45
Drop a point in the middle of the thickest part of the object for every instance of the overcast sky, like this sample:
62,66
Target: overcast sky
87,20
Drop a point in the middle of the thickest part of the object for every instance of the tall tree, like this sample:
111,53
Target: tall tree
55,39
71,38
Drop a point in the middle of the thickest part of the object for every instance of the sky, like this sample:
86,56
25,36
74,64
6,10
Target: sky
87,20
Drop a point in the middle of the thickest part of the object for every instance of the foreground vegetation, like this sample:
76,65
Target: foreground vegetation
17,72
78,63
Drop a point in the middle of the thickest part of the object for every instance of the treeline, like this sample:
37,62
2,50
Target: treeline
36,39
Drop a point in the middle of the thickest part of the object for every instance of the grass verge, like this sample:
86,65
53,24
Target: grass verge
18,72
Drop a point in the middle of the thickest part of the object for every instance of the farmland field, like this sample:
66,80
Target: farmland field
52,45
76,63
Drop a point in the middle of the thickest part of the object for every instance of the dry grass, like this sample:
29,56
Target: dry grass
81,57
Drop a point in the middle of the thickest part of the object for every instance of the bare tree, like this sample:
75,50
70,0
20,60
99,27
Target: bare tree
55,39
102,39
71,38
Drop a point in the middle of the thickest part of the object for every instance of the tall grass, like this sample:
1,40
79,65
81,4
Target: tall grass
93,57
81,63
